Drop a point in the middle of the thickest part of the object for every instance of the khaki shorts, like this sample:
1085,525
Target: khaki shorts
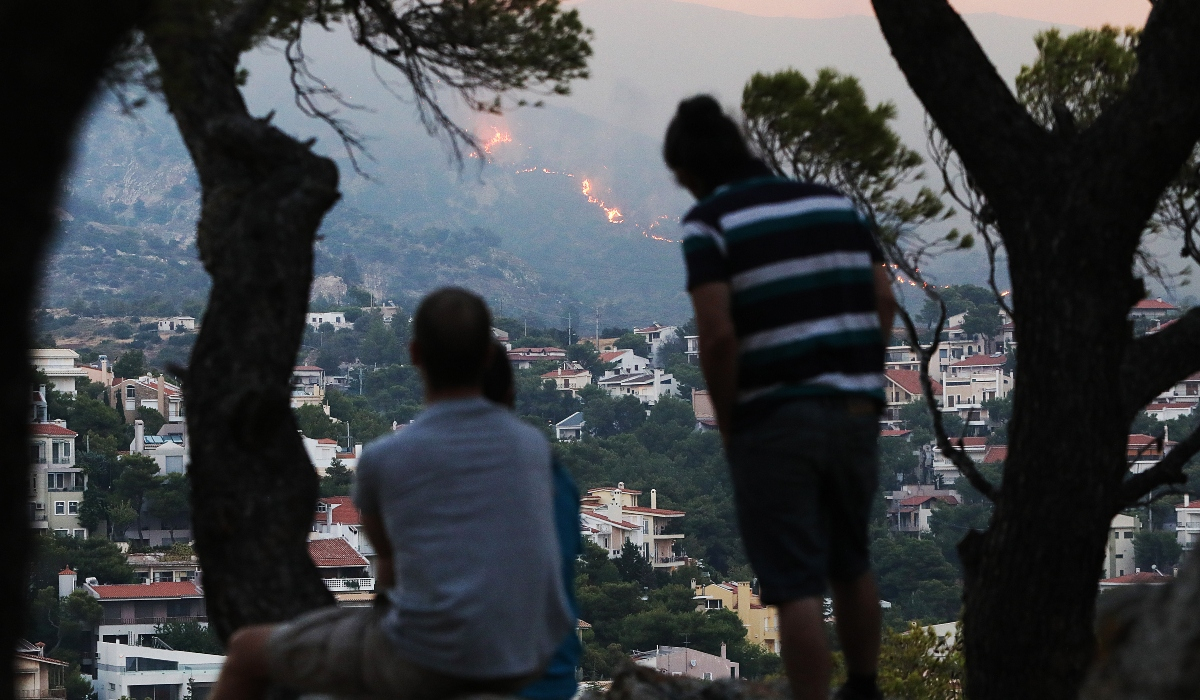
345,652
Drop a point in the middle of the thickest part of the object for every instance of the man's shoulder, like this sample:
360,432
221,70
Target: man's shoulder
757,192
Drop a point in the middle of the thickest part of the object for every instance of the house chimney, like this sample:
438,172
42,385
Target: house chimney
329,514
107,380
358,448
139,437
162,395
1187,498
722,650
654,498
66,582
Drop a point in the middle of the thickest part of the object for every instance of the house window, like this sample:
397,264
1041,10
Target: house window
1129,535
645,527
72,507
66,451
60,508
37,453
62,533
174,464
54,452
80,533
130,392
1120,556
1116,535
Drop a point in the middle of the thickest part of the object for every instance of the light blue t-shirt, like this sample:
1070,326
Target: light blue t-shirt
465,492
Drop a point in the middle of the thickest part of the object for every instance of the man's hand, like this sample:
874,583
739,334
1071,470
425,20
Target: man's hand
718,350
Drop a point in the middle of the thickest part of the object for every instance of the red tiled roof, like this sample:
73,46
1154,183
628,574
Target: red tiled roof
968,441
910,381
344,513
653,511
327,441
1192,503
649,329
51,429
66,572
981,360
345,455
334,552
1155,304
307,368
610,356
161,589
564,373
1140,577
893,433
535,351
1161,406
605,518
995,454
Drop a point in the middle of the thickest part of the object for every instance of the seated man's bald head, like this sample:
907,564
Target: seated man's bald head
452,330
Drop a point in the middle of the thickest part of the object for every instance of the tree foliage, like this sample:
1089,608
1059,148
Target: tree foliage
189,636
1082,73
1156,548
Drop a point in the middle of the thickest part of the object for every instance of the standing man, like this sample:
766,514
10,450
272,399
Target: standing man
792,301
459,508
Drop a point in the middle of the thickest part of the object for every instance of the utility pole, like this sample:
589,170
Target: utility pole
597,328
360,381
568,329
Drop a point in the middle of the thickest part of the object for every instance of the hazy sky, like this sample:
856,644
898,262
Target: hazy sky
1083,13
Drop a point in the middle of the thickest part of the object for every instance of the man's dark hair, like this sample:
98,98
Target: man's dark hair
702,140
454,329
498,377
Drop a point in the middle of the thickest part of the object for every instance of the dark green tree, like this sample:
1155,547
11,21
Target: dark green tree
137,483
633,567
171,502
337,479
89,558
151,418
632,341
1156,548
189,636
594,566
130,365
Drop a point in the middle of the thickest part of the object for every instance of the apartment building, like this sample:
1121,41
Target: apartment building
1118,554
133,610
141,672
148,392
60,365
761,621
611,516
570,377
648,387
56,484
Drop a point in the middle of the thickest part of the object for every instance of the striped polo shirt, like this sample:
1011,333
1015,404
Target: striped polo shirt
800,262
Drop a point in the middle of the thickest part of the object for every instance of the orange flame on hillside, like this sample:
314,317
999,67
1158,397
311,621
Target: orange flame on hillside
496,139
614,215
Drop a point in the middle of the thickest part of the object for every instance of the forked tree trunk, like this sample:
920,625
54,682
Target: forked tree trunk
53,60
1071,207
263,197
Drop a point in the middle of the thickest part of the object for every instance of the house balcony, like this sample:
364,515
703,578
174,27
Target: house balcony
667,535
341,585
670,562
153,620
41,693
1188,526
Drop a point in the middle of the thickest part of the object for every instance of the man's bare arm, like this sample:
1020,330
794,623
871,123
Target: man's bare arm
885,302
385,574
718,349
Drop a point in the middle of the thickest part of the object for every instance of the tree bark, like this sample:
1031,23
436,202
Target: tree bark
54,60
1071,209
263,197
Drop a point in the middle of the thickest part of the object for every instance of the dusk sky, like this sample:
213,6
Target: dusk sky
1084,13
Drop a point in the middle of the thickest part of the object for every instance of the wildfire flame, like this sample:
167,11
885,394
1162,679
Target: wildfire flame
612,213
497,138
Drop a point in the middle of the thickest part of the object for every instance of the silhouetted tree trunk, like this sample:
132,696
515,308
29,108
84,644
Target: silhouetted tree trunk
53,61
1071,206
263,197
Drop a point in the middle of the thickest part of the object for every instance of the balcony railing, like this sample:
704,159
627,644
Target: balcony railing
667,560
40,693
153,620
337,585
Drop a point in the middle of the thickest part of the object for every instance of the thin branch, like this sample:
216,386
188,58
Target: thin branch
1168,470
307,87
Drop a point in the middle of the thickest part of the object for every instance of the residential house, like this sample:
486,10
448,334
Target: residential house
623,362
154,673
176,323
909,508
168,448
501,336
59,365
943,470
337,319
691,348
902,387
336,516
342,569
703,410
133,610
37,676
523,358
648,387
1118,555
1137,578
99,371
1184,391
570,428
682,661
322,452
1153,309
611,516
569,376
761,621
655,335
1187,522
56,484
148,392
162,567
1144,451
970,382
1169,411
308,386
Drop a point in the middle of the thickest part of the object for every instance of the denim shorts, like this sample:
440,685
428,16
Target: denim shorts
804,478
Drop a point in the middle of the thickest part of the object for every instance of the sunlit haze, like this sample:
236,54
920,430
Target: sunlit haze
1083,13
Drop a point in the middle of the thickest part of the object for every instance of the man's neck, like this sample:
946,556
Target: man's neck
433,396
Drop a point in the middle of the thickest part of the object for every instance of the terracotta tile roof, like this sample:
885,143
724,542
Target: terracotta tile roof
132,591
1162,406
344,514
66,572
558,373
1140,577
920,500
334,552
307,368
50,429
327,441
893,433
605,518
910,381
607,357
995,454
968,441
1193,504
981,360
654,511
1155,305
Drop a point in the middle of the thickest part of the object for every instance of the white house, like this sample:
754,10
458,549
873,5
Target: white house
308,386
703,410
1169,411
342,569
336,516
1187,522
910,508
569,377
523,358
970,382
655,335
133,610
176,323
570,428
943,470
337,319
648,387
1153,308
1118,555
59,365
610,517
623,362
692,348
1184,391
56,484
322,452
1144,451
687,662
124,671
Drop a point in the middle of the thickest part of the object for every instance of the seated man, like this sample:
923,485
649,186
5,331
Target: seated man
459,507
